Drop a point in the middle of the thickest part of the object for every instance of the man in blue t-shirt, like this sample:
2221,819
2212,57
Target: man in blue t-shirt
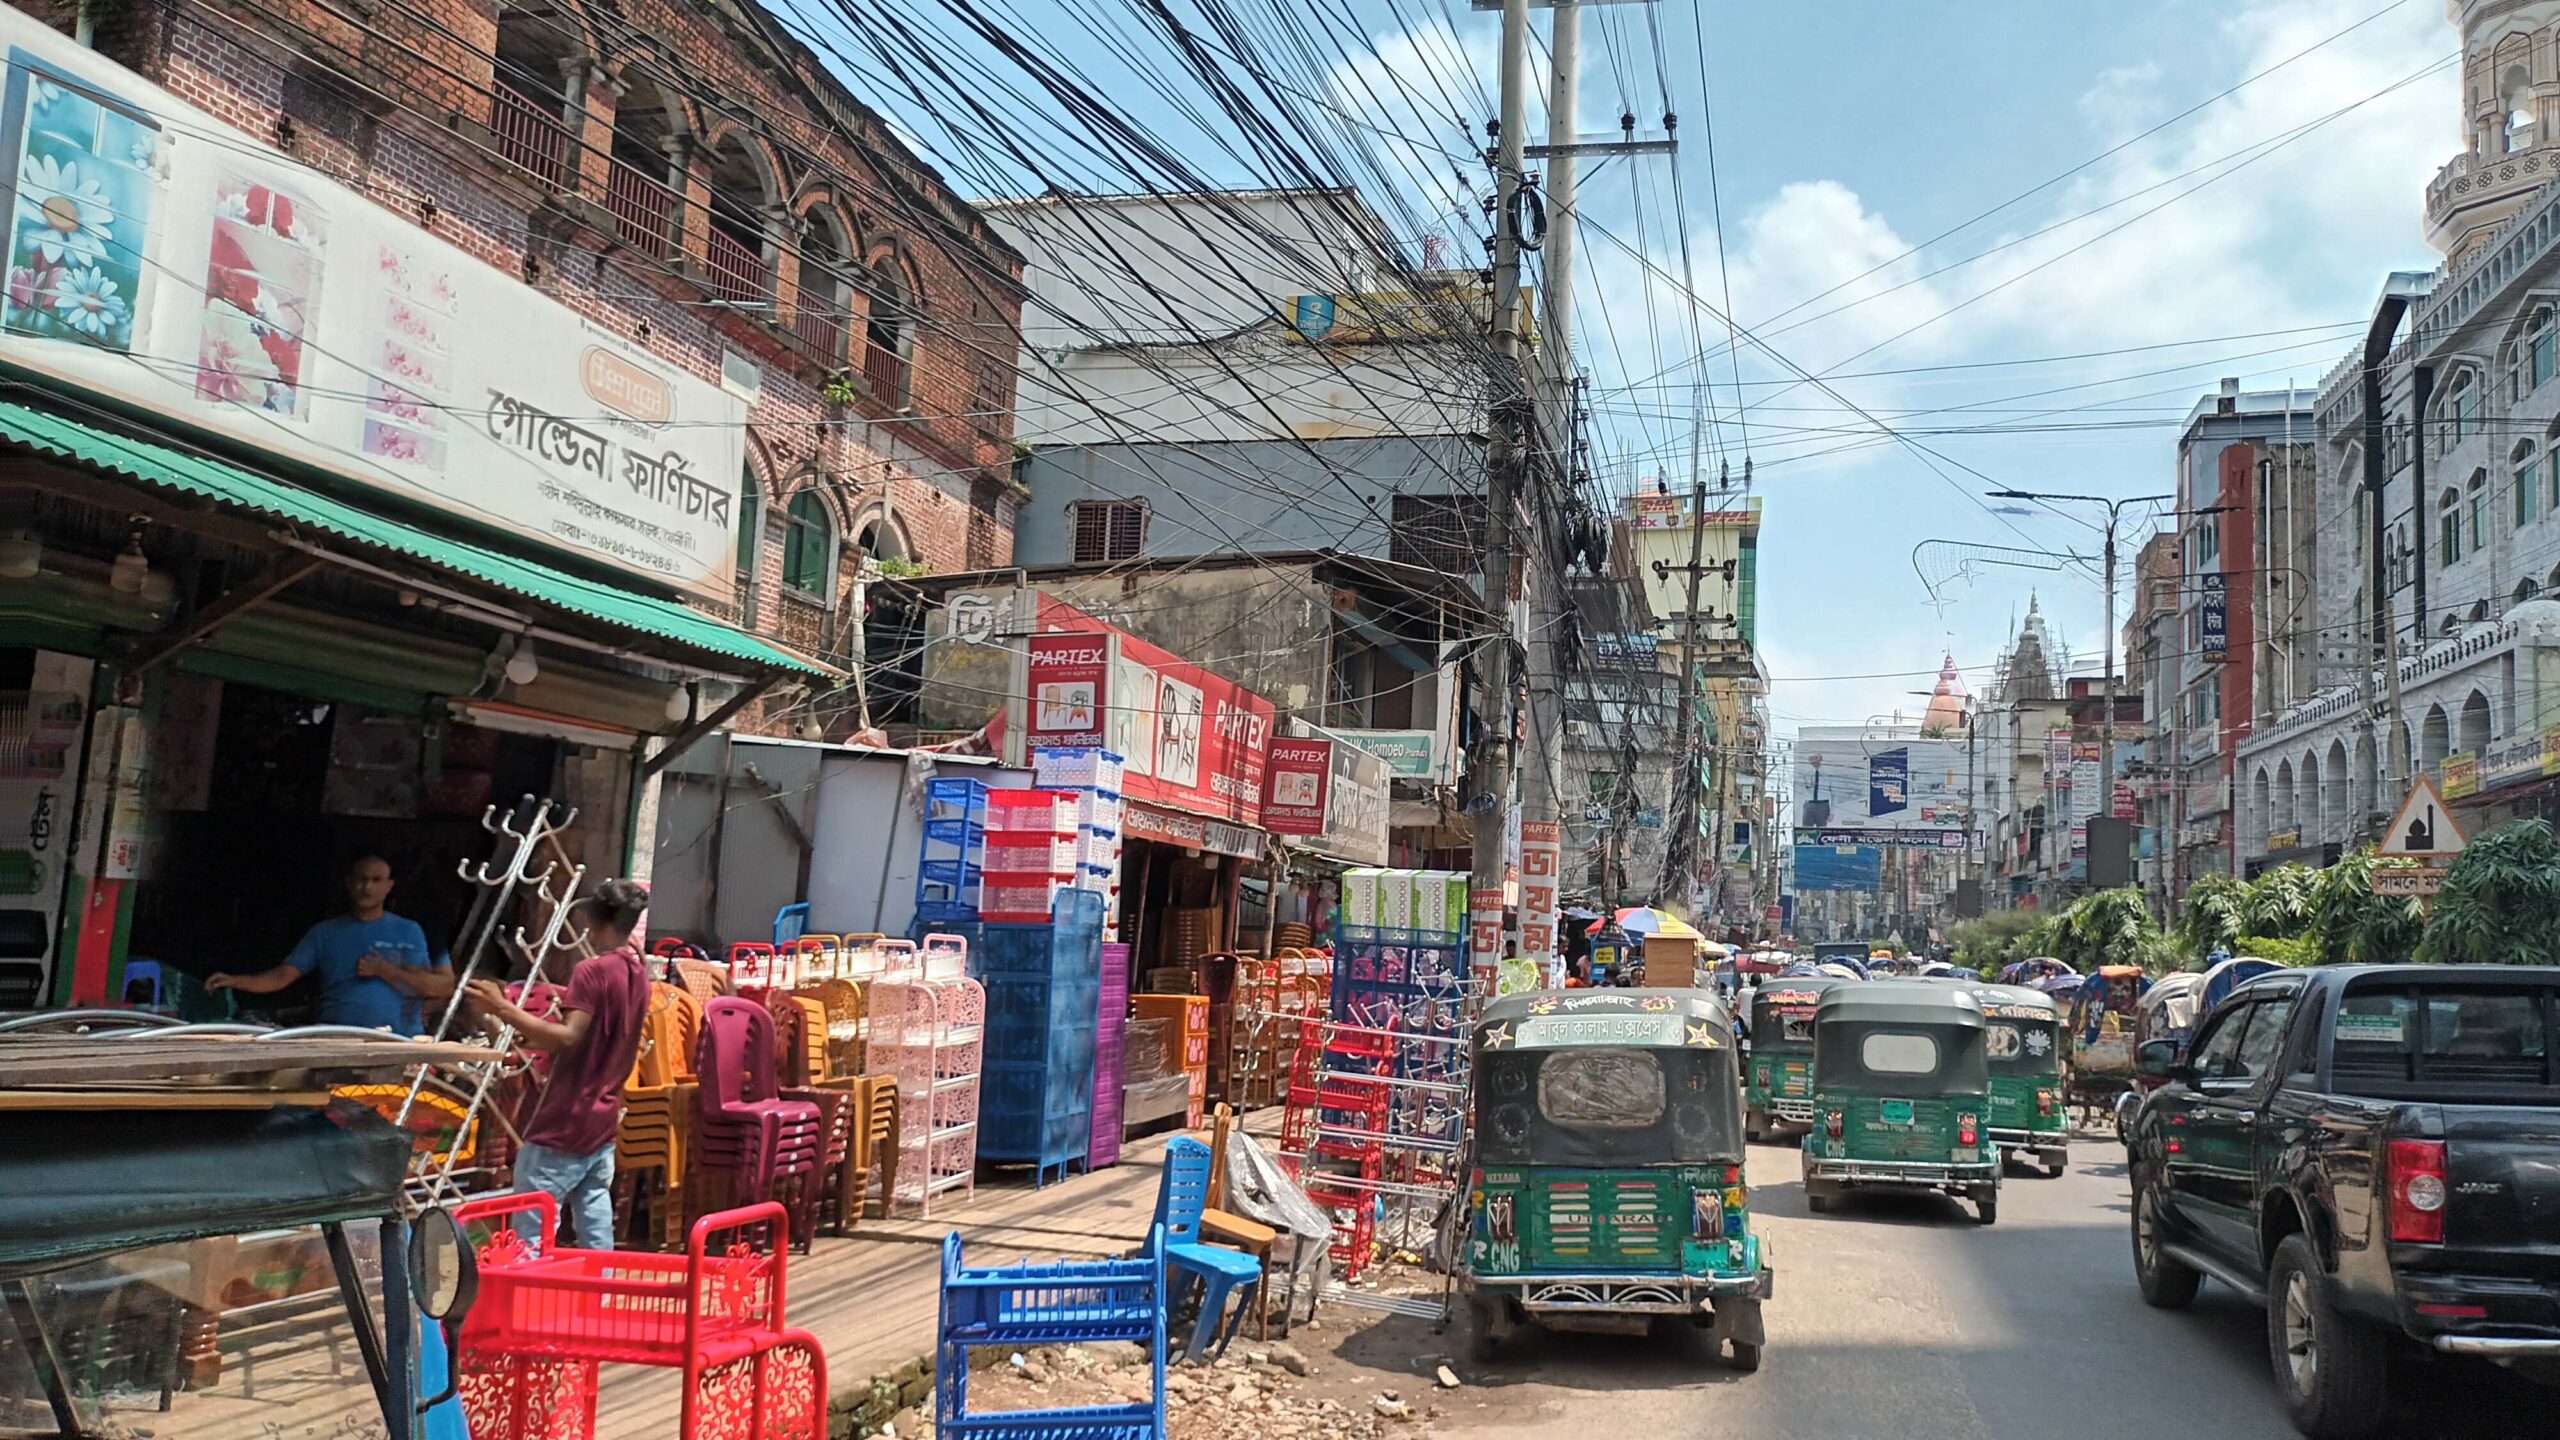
373,966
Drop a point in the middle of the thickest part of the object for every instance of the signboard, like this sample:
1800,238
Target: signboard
2391,880
2124,808
2461,774
2520,759
1656,511
1410,754
1192,832
1356,805
1833,835
1623,648
2214,622
2084,790
1543,1032
238,292
1889,782
1189,740
1541,861
1484,934
2422,827
1296,775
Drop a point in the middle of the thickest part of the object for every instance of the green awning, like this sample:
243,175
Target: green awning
159,465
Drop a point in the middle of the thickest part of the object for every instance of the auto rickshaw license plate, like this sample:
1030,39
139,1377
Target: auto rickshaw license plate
1896,1112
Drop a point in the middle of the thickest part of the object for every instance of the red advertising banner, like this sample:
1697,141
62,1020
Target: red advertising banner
1069,678
1295,778
1189,740
1541,855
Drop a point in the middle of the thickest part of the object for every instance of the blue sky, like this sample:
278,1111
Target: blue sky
1846,135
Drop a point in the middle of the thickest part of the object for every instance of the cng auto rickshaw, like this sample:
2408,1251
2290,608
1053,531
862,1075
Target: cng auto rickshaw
2022,1038
1605,1189
1901,1096
1779,1089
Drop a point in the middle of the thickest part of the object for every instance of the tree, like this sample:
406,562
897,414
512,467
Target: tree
2279,902
2350,925
1991,941
2211,920
2501,901
2111,927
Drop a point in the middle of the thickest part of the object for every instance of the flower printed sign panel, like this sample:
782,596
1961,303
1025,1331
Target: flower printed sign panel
83,202
228,287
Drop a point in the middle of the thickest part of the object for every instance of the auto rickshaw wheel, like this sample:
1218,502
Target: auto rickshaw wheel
1986,1207
1755,1127
1743,1357
1492,1329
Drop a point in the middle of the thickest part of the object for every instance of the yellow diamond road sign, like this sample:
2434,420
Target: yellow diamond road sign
2424,828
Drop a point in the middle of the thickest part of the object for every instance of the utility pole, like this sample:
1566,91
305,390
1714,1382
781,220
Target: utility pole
1490,765
1564,96
1680,854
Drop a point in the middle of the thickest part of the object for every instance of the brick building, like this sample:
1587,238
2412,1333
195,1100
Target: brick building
692,179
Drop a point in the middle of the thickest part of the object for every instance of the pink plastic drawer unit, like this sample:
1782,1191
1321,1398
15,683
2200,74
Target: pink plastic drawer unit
1039,812
1022,852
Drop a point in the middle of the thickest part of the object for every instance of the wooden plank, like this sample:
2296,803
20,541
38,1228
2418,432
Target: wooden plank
161,1099
73,1059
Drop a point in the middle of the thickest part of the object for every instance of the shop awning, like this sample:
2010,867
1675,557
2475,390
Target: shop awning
153,464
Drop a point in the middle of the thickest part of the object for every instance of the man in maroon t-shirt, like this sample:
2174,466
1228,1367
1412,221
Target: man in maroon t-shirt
568,1141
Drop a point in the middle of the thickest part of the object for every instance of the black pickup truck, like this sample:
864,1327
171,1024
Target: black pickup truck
2370,1153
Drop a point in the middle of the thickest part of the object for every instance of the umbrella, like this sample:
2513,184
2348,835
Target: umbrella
1579,912
1640,920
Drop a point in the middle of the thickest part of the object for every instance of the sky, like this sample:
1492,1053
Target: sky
1935,202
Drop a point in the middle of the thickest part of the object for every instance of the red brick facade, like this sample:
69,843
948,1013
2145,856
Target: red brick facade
689,177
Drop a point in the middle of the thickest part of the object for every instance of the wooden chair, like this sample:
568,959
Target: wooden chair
1218,1227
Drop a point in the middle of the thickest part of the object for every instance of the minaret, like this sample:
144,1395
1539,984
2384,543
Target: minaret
2510,132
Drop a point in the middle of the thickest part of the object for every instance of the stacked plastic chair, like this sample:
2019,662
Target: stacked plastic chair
748,1139
545,1324
657,1118
842,1001
755,965
704,980
800,1030
1097,1302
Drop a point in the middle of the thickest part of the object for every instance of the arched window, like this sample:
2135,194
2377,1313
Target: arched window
825,299
2462,410
2526,590
2473,732
809,545
2448,527
2435,738
2538,347
2518,94
887,334
2479,492
540,59
2528,483
735,261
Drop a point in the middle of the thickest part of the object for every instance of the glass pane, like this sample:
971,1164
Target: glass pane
235,1338
1888,1053
1601,1089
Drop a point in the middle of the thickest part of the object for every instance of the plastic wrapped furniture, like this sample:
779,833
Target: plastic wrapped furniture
544,1325
1097,1302
1223,1273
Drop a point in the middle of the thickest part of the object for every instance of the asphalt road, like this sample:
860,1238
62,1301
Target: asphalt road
1900,1318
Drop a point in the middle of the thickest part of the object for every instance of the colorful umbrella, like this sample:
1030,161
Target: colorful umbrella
1642,920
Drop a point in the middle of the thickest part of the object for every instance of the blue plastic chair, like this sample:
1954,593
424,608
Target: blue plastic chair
790,923
142,983
1223,1273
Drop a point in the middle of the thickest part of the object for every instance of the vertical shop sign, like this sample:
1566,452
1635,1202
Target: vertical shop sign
1541,859
1067,689
1888,782
2214,623
1484,937
2084,790
1296,777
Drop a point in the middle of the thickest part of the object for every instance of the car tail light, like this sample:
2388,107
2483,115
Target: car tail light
1831,1125
1967,1133
2044,1102
2413,1174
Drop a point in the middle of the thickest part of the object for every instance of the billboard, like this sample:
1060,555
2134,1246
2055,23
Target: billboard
1296,775
163,260
1881,785
2214,624
1839,867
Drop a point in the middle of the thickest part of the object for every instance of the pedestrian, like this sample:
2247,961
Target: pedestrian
373,966
568,1141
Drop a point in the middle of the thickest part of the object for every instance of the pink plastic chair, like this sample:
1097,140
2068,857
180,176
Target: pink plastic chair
742,1125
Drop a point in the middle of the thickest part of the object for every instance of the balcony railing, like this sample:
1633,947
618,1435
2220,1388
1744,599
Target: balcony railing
885,371
641,209
821,329
530,135
735,271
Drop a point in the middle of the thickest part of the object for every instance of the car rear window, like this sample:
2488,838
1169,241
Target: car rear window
2391,1040
1891,1053
1601,1089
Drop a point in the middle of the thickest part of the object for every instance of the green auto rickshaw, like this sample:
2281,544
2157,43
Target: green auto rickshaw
1780,1088
1901,1095
1605,1188
2022,1037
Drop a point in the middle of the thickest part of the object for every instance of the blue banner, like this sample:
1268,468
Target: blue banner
2215,640
1839,867
1888,782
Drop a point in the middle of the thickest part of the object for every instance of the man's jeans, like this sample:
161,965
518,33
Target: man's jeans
582,1186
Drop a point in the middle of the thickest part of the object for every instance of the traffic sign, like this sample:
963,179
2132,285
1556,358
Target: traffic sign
2407,883
2423,828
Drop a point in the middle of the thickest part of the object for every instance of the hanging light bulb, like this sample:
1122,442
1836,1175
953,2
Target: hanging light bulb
810,729
132,567
524,667
679,704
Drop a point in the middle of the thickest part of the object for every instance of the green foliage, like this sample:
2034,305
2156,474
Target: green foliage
2270,947
2501,901
2279,902
2111,927
2211,918
899,567
1999,938
2350,925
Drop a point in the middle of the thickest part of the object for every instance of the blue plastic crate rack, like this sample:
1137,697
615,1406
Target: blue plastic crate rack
1067,1303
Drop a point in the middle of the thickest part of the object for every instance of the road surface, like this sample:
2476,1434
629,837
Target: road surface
1899,1318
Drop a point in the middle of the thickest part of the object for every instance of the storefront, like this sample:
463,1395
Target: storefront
263,610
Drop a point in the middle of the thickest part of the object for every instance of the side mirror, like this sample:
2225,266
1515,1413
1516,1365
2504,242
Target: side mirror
2158,1059
444,1278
